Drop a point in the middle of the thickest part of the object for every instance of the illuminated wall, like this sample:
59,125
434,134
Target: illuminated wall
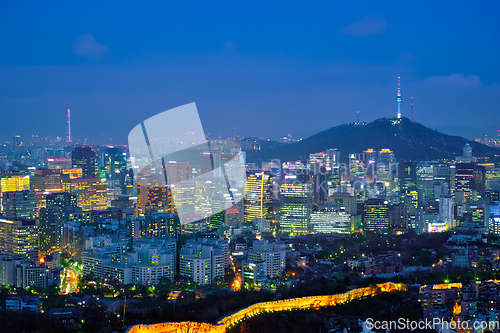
312,302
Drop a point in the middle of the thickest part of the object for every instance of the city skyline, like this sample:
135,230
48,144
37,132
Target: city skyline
268,63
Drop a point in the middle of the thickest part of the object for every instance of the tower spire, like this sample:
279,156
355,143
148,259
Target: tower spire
69,126
398,97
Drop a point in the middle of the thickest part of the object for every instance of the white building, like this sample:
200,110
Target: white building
446,211
151,260
204,260
273,254
330,218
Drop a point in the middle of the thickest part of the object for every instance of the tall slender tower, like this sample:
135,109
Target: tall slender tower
398,98
69,126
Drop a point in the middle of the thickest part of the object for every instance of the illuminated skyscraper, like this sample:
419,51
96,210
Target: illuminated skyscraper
85,158
296,205
90,193
13,183
376,216
50,221
19,205
446,211
115,163
154,199
330,218
19,238
258,196
49,180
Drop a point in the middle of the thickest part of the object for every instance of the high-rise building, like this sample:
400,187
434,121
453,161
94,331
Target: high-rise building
425,179
330,218
19,205
19,238
85,158
273,254
160,225
91,193
258,196
469,177
51,222
13,183
49,180
344,200
295,207
446,210
62,200
204,260
154,199
376,216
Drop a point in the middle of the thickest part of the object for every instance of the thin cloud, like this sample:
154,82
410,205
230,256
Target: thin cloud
454,80
87,46
365,27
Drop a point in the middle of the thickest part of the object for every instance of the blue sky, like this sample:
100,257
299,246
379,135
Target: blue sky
253,68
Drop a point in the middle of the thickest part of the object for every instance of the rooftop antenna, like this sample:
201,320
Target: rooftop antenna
398,97
69,126
357,116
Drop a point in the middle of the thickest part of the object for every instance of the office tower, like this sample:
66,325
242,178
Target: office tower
204,261
398,217
235,214
344,200
467,153
13,183
154,199
160,225
50,224
295,206
494,225
493,196
258,196
19,238
425,179
446,211
386,165
184,197
115,162
7,271
178,171
85,158
469,177
376,216
445,174
90,193
261,225
31,275
407,176
480,214
48,180
62,200
273,254
19,205
439,189
418,222
330,218
59,163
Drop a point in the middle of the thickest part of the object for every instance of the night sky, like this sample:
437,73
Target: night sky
253,68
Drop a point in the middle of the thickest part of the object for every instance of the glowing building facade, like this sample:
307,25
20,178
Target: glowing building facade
295,207
258,196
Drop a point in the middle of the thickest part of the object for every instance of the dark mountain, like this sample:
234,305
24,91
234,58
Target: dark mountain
408,140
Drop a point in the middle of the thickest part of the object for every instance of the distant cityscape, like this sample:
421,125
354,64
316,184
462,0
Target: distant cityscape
83,227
